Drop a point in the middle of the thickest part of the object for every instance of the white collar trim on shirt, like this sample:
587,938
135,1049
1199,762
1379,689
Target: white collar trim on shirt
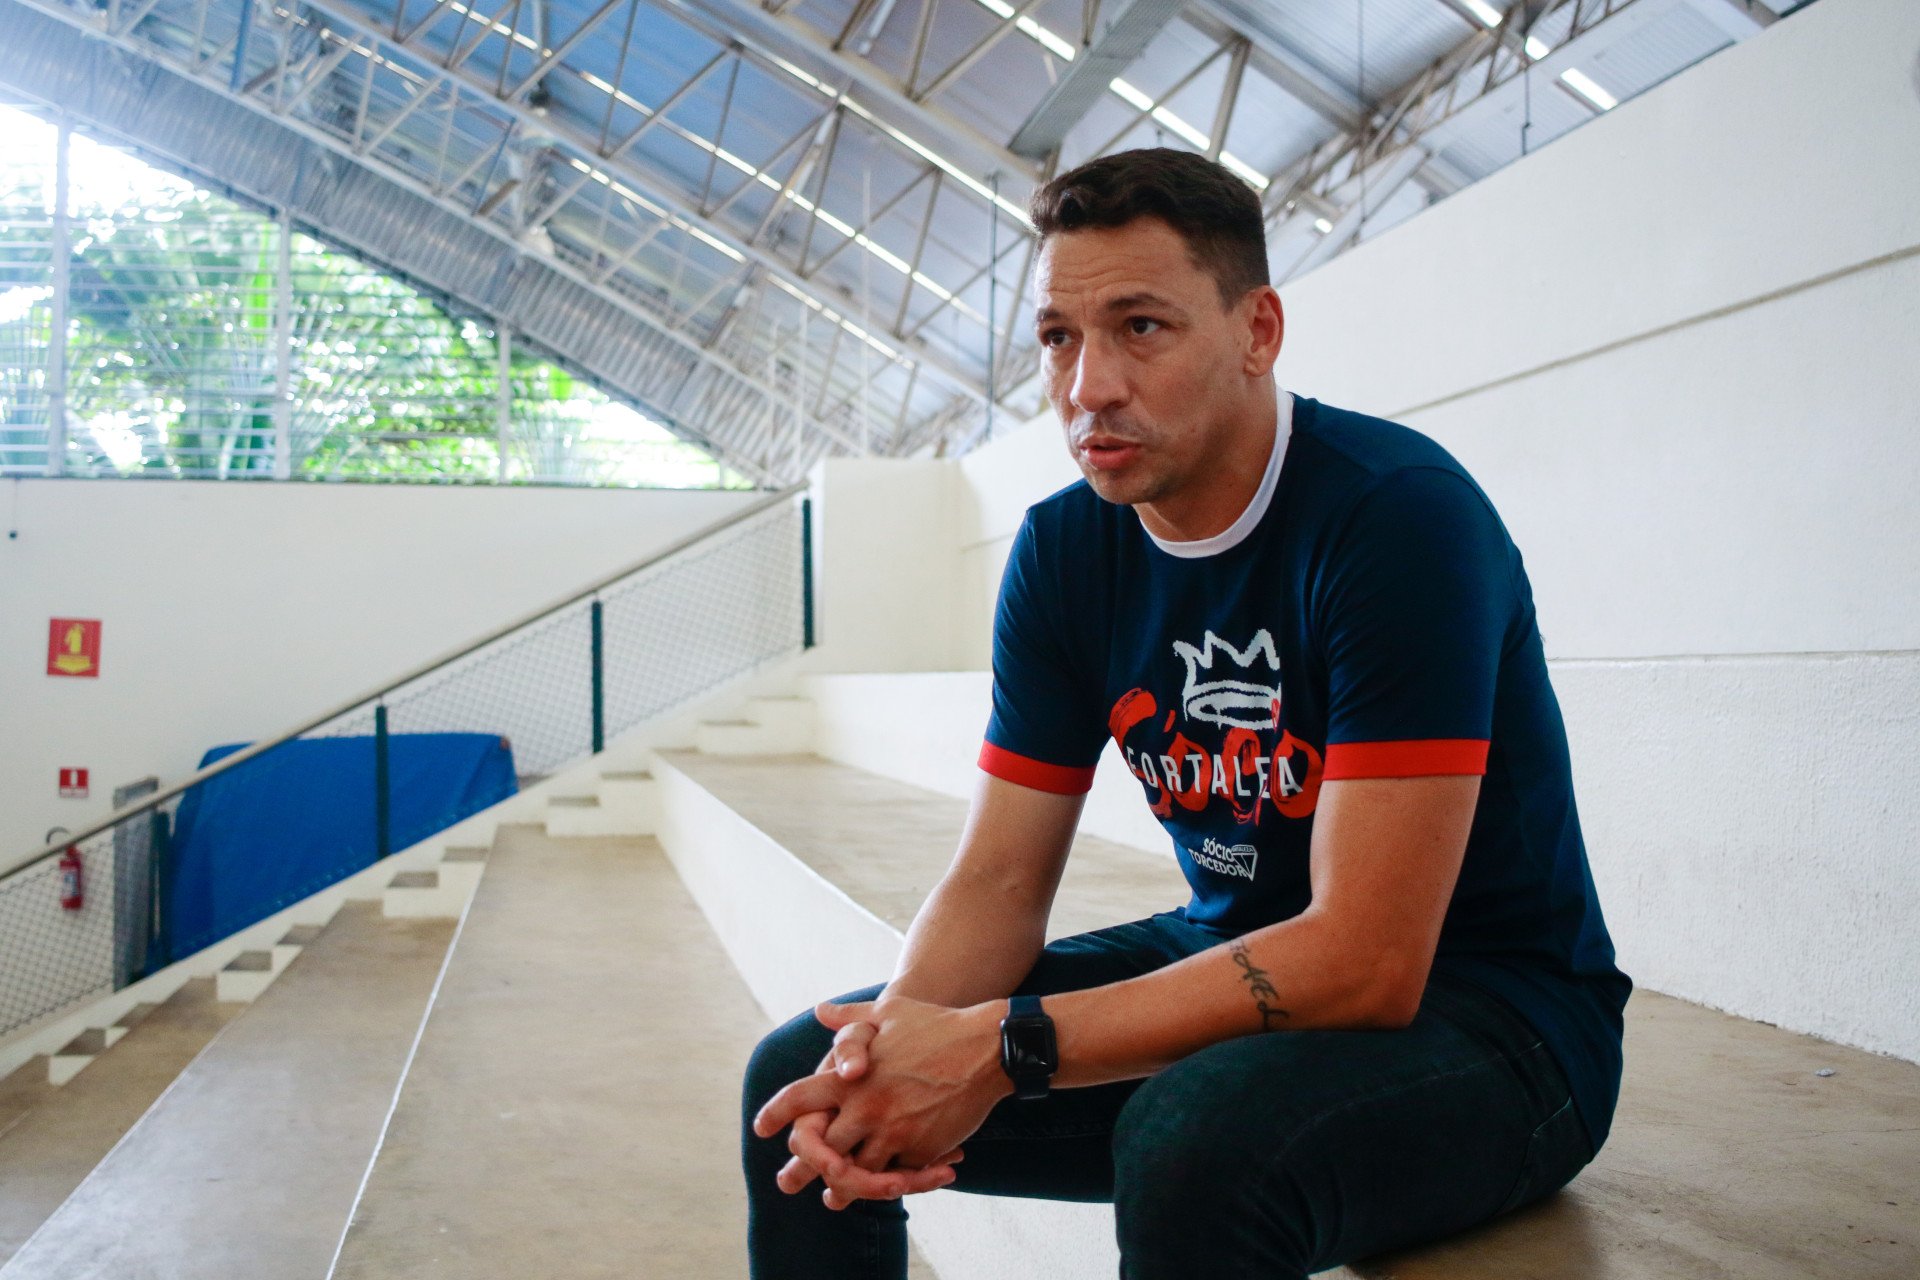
1236,533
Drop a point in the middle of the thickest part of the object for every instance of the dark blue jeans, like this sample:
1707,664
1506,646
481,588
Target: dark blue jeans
1265,1157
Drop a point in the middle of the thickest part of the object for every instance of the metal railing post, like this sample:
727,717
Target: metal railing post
381,835
806,573
160,879
599,683
57,380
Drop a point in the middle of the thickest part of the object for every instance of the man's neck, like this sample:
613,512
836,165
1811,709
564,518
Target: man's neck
1216,499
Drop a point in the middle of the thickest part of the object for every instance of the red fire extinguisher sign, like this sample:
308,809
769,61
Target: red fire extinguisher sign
73,784
72,885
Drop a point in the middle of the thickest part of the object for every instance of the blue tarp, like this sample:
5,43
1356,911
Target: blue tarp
300,817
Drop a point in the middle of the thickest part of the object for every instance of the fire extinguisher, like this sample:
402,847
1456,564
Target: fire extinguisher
72,881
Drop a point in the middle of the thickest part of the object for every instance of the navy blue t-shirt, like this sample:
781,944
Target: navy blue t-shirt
1374,621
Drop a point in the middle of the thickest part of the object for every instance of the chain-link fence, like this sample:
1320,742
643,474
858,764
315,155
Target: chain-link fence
186,866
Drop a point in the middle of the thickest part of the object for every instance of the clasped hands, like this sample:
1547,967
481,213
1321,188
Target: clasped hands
885,1112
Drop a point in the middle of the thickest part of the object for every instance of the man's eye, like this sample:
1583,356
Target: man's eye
1141,326
1053,337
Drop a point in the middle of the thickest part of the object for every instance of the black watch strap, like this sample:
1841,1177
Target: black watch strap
1028,1053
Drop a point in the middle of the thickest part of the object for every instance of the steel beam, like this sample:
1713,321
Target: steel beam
1140,114
1382,182
965,62
209,79
1229,96
1276,58
794,40
571,137
1130,27
1477,78
551,58
866,228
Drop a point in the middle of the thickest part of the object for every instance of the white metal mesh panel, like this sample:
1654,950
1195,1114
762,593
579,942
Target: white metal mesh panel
200,345
26,293
170,351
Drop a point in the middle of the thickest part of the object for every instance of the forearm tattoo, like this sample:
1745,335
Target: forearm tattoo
1265,998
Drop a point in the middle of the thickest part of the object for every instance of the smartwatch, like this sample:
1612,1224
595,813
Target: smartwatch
1027,1051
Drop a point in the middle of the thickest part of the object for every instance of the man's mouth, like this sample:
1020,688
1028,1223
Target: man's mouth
1107,453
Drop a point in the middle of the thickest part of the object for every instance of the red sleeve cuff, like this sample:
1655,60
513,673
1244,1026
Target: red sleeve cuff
1060,779
1416,758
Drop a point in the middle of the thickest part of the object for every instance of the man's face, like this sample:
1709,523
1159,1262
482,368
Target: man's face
1147,370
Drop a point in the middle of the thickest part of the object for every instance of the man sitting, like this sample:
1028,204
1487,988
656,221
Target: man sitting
1390,1009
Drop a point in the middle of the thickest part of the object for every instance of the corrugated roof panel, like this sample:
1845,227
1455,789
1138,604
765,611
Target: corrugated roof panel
1495,142
1401,36
1642,60
958,25
1271,127
999,92
674,162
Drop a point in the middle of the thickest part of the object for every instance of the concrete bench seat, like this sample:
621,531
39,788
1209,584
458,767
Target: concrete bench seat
55,1134
563,1114
247,1160
1731,1156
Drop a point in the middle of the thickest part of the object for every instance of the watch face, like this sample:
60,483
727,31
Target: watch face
1027,1046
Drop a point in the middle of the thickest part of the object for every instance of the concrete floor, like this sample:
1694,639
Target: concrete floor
246,1167
1729,1156
52,1138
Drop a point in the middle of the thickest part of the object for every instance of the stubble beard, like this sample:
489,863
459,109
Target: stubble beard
1126,491
1143,483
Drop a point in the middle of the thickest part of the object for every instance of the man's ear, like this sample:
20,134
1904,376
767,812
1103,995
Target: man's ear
1266,328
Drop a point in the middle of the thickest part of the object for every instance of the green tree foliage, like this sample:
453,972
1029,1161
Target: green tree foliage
173,347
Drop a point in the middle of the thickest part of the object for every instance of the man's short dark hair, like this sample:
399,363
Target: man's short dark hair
1216,213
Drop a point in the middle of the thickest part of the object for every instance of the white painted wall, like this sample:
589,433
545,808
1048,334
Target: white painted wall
232,611
1679,349
883,551
925,729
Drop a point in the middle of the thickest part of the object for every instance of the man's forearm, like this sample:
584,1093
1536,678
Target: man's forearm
1291,976
972,941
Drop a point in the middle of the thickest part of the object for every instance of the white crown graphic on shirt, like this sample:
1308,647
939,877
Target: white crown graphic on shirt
1239,698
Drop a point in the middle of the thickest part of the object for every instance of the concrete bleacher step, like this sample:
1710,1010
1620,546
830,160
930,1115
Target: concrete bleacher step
245,1163
292,941
581,816
1730,1157
126,1022
771,726
246,976
22,1090
51,1137
623,804
440,892
623,1143
811,872
76,1055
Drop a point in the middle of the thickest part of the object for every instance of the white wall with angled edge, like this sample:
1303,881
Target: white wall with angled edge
1678,349
233,610
883,549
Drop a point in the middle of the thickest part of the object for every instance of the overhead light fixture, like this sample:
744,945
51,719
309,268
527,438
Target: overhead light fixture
1584,85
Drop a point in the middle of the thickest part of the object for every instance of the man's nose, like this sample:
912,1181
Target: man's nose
1099,382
